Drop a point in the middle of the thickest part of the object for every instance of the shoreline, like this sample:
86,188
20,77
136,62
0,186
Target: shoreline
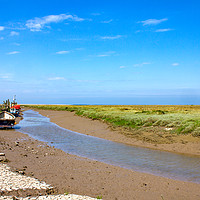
68,120
77,175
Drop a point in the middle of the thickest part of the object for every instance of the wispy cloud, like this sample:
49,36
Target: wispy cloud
164,30
6,76
107,21
152,21
16,26
175,64
37,24
103,55
1,38
14,33
139,31
106,54
111,37
141,64
16,44
13,52
2,28
56,78
79,49
122,67
62,52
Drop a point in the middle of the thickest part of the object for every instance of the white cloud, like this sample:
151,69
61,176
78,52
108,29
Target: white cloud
13,52
107,21
152,21
141,64
6,76
1,38
56,78
164,30
138,31
102,55
105,54
14,33
37,24
109,53
111,37
17,26
175,64
2,28
62,52
122,67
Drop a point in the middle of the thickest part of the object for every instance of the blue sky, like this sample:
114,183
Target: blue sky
100,52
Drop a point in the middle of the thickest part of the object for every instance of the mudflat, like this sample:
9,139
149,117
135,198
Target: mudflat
77,175
73,174
185,144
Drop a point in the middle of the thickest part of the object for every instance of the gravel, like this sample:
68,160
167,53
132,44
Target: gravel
52,197
13,181
10,181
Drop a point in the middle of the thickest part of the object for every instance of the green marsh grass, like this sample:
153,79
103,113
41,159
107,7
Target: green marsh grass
180,119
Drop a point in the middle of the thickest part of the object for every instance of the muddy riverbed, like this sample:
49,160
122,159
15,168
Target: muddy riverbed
78,175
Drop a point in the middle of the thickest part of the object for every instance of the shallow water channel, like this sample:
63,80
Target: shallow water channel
176,166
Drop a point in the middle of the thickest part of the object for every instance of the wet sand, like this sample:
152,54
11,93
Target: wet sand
73,174
68,120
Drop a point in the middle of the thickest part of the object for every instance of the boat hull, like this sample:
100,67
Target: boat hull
7,120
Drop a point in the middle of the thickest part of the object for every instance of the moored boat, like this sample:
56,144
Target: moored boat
7,120
15,110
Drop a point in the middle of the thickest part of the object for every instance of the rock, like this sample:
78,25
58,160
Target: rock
2,157
16,143
21,172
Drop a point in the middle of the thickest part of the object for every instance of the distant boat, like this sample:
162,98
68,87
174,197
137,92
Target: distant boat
17,107
15,110
7,120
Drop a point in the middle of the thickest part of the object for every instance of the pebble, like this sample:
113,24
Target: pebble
10,181
2,157
52,197
13,181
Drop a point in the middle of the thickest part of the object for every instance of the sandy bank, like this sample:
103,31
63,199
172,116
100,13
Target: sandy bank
69,120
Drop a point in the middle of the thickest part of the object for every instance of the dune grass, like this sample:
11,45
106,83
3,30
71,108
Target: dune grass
174,119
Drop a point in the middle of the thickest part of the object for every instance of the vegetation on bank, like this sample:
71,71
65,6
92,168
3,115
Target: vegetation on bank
179,119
